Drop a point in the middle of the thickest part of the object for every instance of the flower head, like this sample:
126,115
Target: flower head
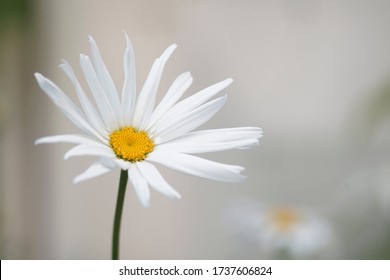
297,233
284,231
131,133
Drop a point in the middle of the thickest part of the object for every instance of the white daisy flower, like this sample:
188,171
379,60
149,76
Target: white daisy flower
293,233
130,132
281,232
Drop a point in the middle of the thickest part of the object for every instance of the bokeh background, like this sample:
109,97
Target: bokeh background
314,74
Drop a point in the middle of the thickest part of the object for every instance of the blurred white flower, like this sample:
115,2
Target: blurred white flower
132,134
283,232
293,233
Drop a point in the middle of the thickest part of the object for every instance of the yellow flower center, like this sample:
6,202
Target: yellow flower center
284,219
131,145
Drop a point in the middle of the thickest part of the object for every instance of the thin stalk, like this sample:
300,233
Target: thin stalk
118,214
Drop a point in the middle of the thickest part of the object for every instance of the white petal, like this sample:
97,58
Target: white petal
196,148
96,169
222,135
104,76
214,140
66,138
122,163
175,92
89,110
129,86
140,185
194,101
155,179
108,162
65,105
188,121
198,166
147,96
90,150
109,114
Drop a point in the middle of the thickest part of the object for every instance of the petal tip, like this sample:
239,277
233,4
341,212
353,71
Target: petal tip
91,40
67,156
145,204
172,46
39,76
83,56
126,36
229,81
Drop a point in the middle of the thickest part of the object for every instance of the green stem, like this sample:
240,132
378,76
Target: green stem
118,214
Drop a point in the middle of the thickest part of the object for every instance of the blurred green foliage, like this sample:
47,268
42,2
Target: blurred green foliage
371,113
380,107
14,12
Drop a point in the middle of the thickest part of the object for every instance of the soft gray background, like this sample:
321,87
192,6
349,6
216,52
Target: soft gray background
313,74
